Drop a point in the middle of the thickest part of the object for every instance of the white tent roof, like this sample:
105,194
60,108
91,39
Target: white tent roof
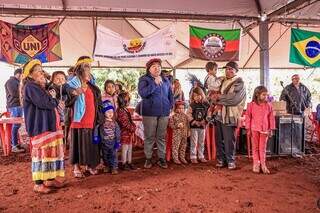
140,17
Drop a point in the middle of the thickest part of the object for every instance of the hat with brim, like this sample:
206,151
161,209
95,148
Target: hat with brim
233,65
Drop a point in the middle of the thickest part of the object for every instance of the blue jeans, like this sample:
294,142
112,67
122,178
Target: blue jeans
15,112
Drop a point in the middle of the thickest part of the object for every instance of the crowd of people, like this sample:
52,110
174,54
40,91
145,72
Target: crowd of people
97,124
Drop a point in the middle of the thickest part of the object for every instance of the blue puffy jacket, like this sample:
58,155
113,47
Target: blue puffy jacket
157,100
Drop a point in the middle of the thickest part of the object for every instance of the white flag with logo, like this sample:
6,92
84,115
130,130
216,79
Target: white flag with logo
112,46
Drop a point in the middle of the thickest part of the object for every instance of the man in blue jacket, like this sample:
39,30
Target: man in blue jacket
157,101
14,106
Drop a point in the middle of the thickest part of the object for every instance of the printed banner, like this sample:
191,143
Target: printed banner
211,44
112,46
305,48
21,43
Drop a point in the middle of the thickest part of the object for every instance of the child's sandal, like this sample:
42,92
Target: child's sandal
256,168
92,171
78,174
265,170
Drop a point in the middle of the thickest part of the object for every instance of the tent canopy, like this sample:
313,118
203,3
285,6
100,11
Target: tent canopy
131,19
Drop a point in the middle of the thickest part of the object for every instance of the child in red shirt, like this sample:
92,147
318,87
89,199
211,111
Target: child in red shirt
260,122
128,129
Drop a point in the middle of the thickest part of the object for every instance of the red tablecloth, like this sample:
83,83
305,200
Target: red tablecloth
5,132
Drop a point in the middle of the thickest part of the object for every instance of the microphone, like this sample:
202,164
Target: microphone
281,83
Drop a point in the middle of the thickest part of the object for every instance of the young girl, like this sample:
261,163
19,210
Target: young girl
110,93
260,122
42,125
180,126
127,128
197,114
110,136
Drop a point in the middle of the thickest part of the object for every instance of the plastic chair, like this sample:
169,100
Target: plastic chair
315,125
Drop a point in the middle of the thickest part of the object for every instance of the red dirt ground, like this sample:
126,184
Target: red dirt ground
293,186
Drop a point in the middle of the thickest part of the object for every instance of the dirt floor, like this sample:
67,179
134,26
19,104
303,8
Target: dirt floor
293,186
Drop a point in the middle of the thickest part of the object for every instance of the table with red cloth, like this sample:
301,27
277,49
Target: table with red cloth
5,132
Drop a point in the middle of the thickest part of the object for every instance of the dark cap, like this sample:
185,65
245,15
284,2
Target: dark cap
18,71
151,61
233,65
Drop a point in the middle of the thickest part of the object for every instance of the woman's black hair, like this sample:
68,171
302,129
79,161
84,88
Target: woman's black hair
257,92
54,74
122,103
108,82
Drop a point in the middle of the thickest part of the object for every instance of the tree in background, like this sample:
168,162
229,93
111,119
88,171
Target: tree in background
127,76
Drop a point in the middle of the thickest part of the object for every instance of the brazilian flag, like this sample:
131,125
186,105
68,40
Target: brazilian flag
305,48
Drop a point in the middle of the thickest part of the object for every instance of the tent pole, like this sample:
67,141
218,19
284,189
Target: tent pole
264,54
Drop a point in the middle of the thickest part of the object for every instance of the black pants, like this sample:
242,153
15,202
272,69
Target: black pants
225,142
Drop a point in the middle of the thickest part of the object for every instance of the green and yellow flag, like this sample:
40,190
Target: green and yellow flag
305,48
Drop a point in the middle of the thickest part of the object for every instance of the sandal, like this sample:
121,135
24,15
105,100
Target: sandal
41,189
177,162
54,184
265,170
78,174
256,168
92,171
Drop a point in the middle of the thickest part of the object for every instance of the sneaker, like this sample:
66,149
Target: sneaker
54,184
232,166
17,149
194,161
256,168
114,171
131,166
148,164
162,163
220,164
202,160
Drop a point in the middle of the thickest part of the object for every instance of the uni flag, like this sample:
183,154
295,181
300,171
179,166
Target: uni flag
305,48
213,44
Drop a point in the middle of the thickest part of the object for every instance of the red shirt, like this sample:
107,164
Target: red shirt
88,117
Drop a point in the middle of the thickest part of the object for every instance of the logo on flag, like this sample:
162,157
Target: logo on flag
213,45
134,46
209,44
305,48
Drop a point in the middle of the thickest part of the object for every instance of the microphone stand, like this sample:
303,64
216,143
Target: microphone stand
292,105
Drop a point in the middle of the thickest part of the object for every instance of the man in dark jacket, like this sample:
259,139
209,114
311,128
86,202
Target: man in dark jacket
14,106
157,101
297,96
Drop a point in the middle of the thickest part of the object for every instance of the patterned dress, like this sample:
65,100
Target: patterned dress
179,140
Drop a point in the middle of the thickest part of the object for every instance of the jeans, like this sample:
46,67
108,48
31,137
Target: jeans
110,154
225,142
15,112
197,143
155,130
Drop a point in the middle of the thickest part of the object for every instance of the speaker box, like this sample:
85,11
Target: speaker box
284,135
242,143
